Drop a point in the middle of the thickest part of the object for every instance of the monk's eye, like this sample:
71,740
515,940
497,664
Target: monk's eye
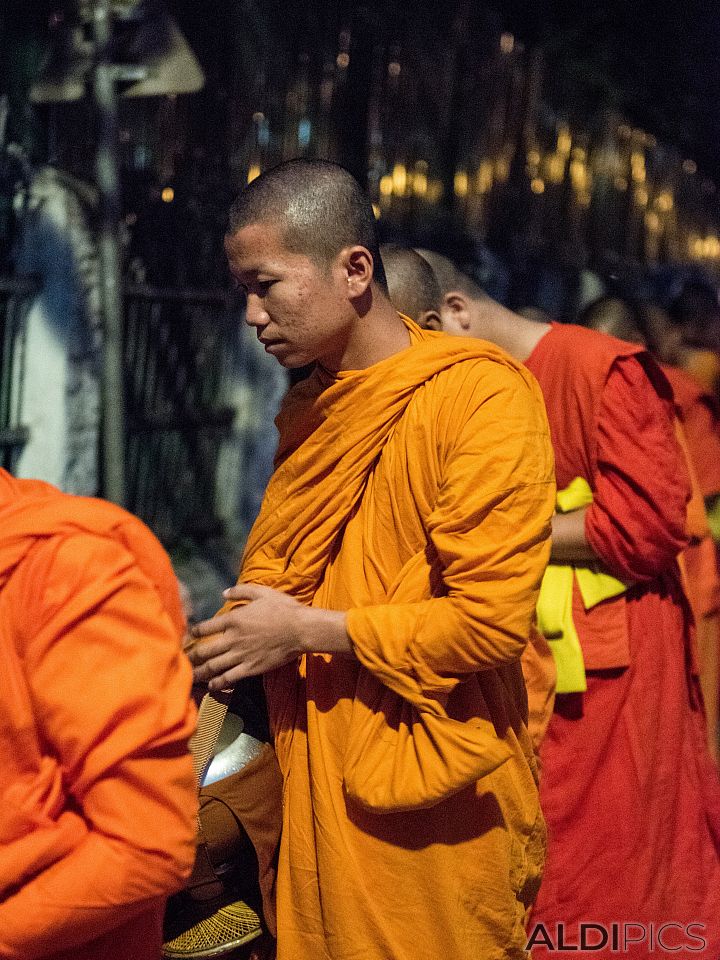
263,286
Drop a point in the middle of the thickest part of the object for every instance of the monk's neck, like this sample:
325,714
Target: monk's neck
375,336
517,335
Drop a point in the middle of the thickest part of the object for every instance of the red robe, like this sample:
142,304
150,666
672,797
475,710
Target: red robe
700,418
97,819
631,797
701,422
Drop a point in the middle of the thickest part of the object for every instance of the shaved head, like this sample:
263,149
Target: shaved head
412,285
449,277
616,317
318,207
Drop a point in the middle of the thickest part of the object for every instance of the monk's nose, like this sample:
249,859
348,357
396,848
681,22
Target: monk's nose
255,314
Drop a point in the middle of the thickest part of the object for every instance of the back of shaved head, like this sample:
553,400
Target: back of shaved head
318,207
449,277
412,285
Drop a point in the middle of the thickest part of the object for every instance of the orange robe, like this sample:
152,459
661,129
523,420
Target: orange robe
97,790
416,495
630,794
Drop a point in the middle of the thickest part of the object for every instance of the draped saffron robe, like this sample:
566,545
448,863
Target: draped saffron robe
417,495
631,797
97,792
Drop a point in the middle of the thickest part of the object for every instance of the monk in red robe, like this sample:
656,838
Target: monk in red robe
629,791
698,428
391,577
97,819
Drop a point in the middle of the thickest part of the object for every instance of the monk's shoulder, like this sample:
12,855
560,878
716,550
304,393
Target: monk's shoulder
471,383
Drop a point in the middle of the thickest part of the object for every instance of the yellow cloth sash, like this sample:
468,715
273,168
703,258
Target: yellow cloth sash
713,516
554,607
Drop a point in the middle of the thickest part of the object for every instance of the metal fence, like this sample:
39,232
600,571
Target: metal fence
175,360
16,295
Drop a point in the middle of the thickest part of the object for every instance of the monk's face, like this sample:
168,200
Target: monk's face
299,309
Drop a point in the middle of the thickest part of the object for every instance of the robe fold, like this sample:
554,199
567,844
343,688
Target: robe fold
97,789
700,419
416,495
630,795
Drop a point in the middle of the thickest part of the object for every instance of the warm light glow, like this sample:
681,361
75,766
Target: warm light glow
579,175
537,185
641,197
399,179
484,177
564,141
664,201
254,172
695,246
533,157
502,169
652,222
376,211
386,186
637,166
507,43
555,168
168,195
711,247
420,184
461,183
343,60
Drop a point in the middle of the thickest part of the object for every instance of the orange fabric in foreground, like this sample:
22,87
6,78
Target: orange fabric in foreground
417,495
98,794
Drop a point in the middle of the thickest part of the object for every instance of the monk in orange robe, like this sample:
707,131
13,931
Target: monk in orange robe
629,791
390,582
97,819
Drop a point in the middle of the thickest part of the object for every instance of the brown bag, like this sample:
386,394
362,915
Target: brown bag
235,866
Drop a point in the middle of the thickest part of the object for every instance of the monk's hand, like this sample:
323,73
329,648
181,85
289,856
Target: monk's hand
265,633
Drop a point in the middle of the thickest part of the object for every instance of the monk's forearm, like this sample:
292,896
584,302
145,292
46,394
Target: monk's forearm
569,542
325,631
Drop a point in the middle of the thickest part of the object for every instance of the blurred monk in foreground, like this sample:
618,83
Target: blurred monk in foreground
99,797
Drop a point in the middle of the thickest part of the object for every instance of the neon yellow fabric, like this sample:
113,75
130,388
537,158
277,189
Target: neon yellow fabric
554,607
713,515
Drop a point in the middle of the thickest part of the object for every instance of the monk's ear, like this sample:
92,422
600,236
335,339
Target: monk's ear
455,313
357,265
430,320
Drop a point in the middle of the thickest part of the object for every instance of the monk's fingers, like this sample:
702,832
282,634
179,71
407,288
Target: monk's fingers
217,668
218,624
248,591
230,678
200,650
